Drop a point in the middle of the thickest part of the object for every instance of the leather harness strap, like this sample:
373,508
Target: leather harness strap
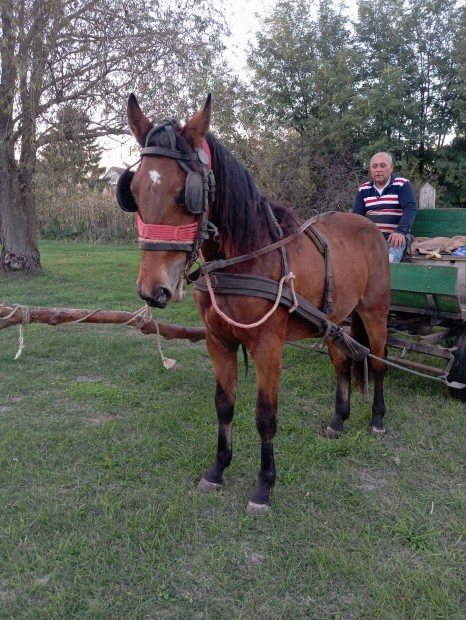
265,288
227,262
318,239
279,231
321,243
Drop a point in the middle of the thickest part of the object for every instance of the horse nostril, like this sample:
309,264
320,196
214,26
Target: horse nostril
158,299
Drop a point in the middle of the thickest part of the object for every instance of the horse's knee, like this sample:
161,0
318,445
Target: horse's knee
224,405
266,418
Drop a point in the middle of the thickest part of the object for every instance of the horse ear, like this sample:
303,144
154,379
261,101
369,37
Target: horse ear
197,127
139,124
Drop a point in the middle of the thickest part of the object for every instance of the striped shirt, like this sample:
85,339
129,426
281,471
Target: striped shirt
393,210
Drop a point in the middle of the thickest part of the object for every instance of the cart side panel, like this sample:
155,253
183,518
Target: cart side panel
439,223
425,287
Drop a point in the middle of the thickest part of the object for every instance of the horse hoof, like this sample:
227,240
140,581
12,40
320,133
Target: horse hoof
377,432
331,433
257,509
207,487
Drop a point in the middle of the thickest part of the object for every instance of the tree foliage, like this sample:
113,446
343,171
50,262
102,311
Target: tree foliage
406,88
90,54
393,80
70,157
304,75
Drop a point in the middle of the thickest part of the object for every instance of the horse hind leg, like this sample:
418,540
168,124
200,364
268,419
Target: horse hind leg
224,362
342,364
371,331
376,426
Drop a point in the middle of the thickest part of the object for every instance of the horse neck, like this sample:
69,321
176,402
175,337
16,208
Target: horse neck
238,211
240,235
211,250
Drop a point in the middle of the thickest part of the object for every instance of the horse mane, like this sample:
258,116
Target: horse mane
240,209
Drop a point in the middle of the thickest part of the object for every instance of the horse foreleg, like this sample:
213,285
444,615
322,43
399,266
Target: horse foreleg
268,371
224,362
342,364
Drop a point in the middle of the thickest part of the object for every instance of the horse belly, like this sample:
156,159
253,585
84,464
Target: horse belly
299,329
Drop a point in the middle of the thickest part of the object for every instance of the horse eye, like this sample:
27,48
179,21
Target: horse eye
181,198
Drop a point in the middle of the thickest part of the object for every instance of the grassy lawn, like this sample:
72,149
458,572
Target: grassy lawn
101,449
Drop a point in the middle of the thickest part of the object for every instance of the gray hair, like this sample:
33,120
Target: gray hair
384,153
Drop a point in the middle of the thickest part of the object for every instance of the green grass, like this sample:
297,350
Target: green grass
101,449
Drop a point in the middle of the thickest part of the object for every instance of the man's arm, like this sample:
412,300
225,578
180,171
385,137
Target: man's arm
407,199
358,206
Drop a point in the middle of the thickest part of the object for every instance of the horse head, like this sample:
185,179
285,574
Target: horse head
170,192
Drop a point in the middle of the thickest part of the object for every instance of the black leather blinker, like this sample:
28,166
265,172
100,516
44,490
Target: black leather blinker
123,192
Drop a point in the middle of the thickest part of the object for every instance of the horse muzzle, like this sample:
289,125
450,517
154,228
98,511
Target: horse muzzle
158,297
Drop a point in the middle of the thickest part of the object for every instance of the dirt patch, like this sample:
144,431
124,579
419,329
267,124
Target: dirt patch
9,404
252,557
91,379
373,480
6,595
100,419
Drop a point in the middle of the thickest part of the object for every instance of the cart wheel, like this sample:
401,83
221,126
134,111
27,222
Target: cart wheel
458,370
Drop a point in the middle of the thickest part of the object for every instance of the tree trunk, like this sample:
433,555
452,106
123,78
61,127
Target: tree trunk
18,223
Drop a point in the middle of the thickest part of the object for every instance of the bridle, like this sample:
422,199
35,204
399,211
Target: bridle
198,194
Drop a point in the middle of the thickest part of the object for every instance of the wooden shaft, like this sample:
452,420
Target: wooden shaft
55,316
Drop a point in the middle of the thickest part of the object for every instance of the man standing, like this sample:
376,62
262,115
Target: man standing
390,202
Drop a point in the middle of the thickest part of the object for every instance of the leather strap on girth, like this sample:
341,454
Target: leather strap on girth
265,288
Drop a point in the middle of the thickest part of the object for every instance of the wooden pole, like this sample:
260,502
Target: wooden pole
16,314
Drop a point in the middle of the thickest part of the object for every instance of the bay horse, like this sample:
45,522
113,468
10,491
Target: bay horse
192,196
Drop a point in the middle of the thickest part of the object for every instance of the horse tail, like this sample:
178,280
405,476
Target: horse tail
358,332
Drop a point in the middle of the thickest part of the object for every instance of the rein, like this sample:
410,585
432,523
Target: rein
227,262
266,288
289,277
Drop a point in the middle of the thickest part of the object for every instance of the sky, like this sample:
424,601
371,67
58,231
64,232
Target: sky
243,17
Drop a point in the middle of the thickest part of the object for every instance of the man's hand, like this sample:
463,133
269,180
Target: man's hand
396,239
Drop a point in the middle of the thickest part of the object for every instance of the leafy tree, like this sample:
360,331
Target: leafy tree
450,162
405,102
458,85
91,53
395,81
304,78
71,157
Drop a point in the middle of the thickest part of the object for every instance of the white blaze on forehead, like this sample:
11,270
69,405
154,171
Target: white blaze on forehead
155,177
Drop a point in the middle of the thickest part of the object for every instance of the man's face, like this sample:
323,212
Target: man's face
380,169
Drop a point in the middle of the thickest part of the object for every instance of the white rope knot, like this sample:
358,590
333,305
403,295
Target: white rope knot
166,361
142,317
289,278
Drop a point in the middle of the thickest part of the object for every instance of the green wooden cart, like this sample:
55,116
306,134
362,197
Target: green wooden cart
428,303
